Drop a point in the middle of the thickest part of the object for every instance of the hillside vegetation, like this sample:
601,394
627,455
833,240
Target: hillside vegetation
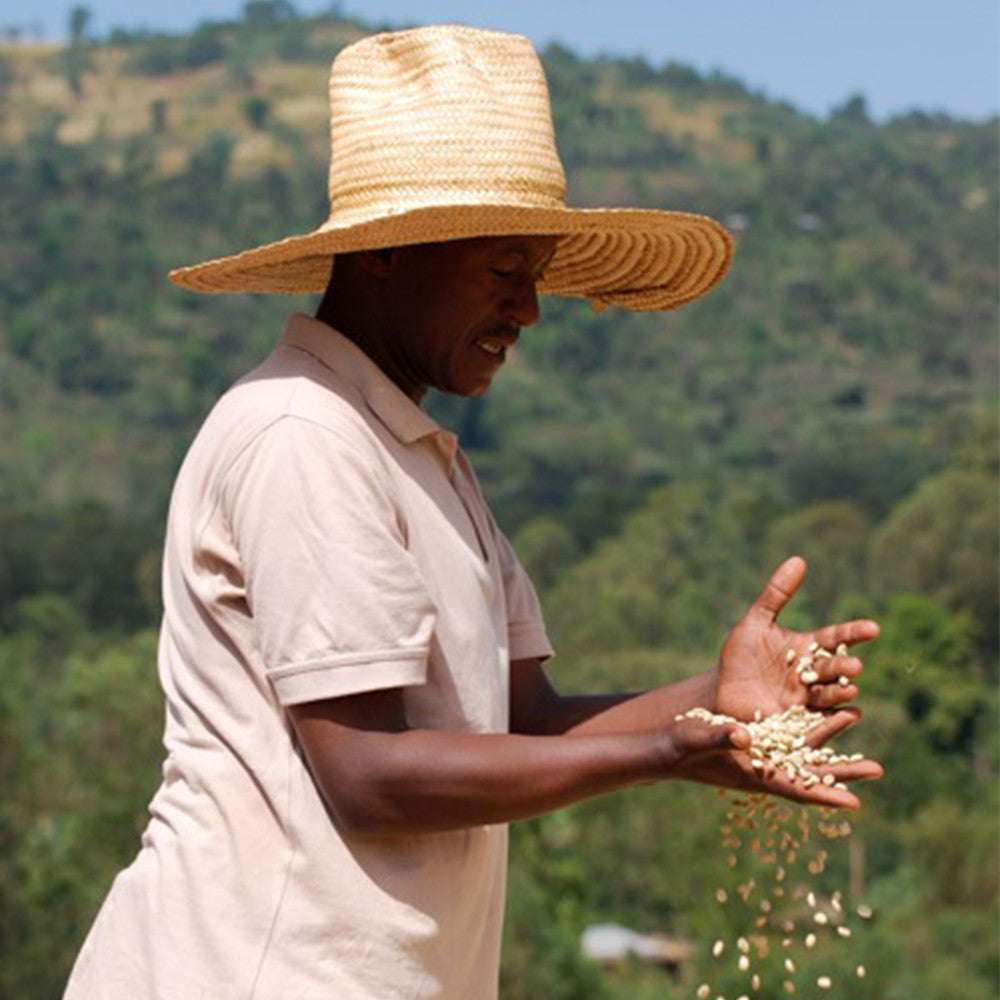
835,396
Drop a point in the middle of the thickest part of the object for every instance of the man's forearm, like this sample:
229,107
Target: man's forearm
422,781
544,711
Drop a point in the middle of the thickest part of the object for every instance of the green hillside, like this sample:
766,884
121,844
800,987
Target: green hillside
836,396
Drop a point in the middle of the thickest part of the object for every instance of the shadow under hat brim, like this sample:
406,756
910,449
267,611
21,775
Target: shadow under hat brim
638,259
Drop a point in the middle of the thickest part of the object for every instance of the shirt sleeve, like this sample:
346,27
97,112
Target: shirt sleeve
338,604
526,633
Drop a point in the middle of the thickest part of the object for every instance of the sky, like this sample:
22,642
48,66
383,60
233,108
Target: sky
934,55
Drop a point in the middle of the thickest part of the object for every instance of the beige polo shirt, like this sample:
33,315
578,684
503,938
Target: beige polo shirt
325,537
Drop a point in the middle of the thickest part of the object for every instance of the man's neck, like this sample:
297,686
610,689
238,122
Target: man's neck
345,316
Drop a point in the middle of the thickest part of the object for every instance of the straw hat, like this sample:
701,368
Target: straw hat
444,133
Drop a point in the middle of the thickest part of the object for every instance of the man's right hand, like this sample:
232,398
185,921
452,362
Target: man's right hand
697,750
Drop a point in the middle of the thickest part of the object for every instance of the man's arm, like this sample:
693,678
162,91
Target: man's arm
379,776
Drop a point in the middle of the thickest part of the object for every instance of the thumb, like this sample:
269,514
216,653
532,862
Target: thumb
693,740
780,589
705,737
737,738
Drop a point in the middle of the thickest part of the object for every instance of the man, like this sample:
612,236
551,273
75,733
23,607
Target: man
352,658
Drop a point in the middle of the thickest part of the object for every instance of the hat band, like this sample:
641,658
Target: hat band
364,202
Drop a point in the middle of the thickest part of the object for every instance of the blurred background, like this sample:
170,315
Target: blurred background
836,396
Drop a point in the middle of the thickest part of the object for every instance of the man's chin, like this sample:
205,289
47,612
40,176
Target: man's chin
467,388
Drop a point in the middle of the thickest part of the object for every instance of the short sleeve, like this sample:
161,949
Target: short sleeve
339,605
526,633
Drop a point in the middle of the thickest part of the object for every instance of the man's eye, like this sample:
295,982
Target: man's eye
504,272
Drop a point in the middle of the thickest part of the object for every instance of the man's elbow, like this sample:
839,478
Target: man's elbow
362,801
359,811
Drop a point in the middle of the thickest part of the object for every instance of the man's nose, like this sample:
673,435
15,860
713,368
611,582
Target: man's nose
521,307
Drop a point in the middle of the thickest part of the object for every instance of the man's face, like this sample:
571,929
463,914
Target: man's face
454,309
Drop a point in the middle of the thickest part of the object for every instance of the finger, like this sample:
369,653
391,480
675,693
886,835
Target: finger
854,770
826,696
847,633
821,795
780,589
834,795
817,794
832,725
831,668
739,738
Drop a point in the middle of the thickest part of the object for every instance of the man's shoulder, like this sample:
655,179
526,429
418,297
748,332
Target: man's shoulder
288,399
291,385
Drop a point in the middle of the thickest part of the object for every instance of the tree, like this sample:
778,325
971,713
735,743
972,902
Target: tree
79,18
6,78
942,541
76,59
158,116
924,663
676,576
267,12
80,740
832,536
854,110
255,110
546,548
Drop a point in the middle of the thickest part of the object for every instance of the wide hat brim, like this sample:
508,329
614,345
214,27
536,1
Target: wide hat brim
638,259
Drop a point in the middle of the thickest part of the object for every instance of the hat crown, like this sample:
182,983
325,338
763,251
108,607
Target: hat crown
444,115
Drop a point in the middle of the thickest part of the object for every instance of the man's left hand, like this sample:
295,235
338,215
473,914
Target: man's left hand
757,666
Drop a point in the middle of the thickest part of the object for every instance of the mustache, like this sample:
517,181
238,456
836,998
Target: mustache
505,331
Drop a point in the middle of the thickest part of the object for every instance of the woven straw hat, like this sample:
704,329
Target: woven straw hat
445,133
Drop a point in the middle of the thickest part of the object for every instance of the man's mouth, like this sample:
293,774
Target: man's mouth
498,344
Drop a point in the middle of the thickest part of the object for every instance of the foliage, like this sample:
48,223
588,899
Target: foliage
162,54
835,396
833,536
680,567
80,719
936,543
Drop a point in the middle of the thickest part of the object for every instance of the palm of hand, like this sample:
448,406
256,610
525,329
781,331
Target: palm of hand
754,673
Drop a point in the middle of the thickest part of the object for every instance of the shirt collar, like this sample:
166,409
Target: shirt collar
407,421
